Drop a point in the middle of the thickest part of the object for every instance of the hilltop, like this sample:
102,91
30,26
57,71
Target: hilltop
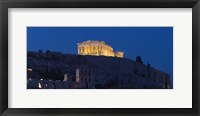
107,72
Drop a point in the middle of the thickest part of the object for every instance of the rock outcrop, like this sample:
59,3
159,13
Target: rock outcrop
107,72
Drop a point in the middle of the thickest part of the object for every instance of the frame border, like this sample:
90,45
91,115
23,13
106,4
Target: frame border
6,4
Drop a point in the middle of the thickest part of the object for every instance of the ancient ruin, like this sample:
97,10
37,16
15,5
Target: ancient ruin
97,48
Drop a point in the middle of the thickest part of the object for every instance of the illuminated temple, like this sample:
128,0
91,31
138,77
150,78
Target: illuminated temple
97,48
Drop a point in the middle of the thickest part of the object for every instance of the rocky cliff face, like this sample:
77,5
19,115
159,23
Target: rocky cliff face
108,72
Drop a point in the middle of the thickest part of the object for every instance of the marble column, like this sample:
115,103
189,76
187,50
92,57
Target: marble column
82,50
78,50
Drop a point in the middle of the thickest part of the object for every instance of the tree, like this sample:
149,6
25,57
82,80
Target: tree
40,51
148,65
48,51
139,59
148,69
167,81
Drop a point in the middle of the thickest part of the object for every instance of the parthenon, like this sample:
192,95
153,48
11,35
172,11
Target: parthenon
97,48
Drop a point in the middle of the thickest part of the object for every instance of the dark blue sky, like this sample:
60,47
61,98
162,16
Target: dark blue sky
153,44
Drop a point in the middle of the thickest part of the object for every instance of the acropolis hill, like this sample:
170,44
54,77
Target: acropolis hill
97,48
83,71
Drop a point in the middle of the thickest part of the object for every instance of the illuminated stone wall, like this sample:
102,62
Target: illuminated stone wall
97,48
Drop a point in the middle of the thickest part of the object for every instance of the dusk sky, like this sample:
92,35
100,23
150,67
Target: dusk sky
153,44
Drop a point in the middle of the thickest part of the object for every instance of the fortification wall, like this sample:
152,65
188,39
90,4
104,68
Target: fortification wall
109,71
